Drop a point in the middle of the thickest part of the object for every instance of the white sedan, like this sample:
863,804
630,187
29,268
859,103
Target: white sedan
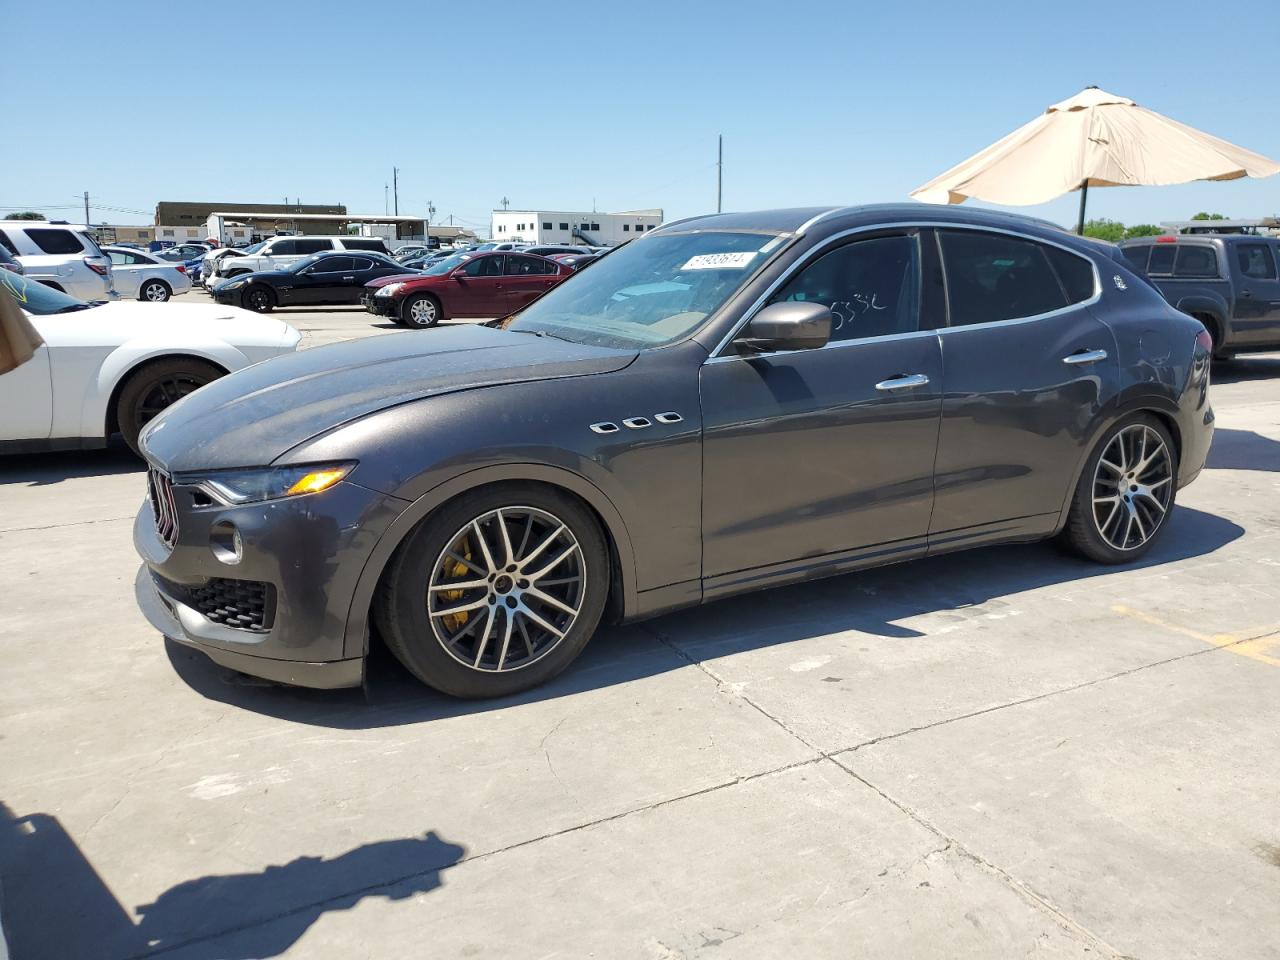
111,367
144,276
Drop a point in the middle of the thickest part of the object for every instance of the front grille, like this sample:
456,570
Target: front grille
163,506
242,604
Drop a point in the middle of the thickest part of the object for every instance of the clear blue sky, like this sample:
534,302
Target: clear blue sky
557,105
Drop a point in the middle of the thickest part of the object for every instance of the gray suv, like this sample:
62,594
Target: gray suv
1229,282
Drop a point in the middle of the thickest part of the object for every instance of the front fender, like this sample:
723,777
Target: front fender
129,356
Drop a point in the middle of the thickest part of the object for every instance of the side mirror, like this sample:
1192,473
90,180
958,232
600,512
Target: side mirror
788,325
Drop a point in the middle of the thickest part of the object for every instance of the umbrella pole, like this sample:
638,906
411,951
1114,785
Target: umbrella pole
1084,193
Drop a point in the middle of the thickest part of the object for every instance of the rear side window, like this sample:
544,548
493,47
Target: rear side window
7,243
1255,261
307,245
55,241
364,243
1195,260
872,287
1161,262
992,277
1076,273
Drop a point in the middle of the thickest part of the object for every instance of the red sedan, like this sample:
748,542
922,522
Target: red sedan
464,285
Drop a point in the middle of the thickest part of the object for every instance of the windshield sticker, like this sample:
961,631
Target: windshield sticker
719,261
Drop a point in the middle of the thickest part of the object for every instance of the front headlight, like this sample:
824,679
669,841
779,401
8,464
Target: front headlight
232,284
390,290
234,487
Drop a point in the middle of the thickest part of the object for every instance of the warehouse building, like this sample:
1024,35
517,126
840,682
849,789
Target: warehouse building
561,226
180,221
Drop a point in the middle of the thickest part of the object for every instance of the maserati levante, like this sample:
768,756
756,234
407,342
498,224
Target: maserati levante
727,403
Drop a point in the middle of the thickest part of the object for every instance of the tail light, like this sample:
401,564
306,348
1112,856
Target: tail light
1166,238
182,268
99,268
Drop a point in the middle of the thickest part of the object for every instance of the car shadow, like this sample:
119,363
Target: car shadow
1243,450
43,469
873,602
1246,367
57,905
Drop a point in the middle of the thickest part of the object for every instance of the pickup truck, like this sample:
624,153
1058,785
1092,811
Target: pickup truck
1229,282
279,252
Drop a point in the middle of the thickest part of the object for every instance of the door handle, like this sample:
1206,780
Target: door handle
1086,356
1246,293
904,382
348,278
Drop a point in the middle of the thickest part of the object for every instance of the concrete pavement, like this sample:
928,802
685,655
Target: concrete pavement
993,754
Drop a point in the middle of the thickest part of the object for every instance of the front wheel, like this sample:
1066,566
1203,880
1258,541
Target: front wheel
154,387
1126,492
420,311
155,291
496,592
260,299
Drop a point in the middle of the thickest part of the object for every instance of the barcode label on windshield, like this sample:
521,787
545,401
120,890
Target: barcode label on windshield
719,261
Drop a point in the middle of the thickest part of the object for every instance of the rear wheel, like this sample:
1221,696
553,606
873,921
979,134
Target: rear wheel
422,310
1126,492
496,592
155,386
260,299
155,291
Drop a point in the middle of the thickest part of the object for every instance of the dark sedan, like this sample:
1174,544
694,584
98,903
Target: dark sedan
727,403
464,285
330,279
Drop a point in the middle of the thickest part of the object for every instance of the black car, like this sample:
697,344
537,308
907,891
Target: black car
1229,282
726,403
322,279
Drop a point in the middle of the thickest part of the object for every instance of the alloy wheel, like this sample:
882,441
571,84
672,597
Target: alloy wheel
423,312
155,292
1132,487
259,300
506,589
164,393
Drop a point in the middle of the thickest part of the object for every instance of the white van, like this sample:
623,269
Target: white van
279,252
60,255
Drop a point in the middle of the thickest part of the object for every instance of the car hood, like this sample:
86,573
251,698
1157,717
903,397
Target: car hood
120,319
253,416
396,278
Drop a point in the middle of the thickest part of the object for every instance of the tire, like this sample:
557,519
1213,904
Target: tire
532,654
259,299
1097,524
154,386
155,291
425,307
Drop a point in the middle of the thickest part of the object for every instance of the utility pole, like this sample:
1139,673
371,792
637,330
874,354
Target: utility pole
395,184
386,198
720,173
86,210
431,212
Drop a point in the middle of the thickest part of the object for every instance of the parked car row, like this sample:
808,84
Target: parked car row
322,278
280,252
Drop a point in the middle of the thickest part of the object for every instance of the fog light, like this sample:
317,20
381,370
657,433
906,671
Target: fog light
225,542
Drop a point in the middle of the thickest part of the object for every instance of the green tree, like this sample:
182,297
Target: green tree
25,215
1102,229
1208,216
1142,230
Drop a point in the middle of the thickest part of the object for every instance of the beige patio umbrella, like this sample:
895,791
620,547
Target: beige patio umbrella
1094,139
18,338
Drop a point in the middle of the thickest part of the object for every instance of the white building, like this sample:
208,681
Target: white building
563,226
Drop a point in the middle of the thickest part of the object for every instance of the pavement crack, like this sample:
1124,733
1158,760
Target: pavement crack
69,523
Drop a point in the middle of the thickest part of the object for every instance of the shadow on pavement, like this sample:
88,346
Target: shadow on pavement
1243,450
1244,368
44,469
57,906
872,602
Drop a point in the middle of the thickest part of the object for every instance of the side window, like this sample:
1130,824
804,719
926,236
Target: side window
484,267
333,265
521,266
1255,261
7,243
1075,272
992,277
1161,262
55,241
306,245
547,267
871,286
1195,260
364,243
365,263
282,248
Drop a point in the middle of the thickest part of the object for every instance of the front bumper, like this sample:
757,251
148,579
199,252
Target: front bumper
221,294
304,555
381,306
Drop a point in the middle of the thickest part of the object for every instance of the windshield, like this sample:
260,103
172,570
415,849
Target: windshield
255,248
651,292
305,262
441,267
36,298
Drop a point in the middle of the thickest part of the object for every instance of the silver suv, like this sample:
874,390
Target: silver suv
60,255
279,252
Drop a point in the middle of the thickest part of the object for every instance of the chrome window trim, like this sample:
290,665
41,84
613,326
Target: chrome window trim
717,354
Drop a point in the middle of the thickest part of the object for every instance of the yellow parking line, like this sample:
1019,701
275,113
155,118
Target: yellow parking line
1252,642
